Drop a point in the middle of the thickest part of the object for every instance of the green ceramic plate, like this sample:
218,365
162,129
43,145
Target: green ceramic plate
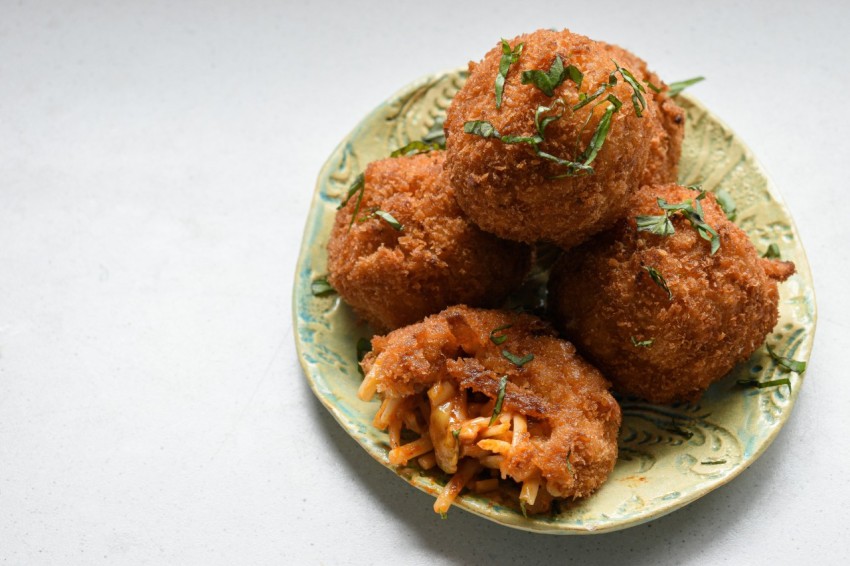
669,455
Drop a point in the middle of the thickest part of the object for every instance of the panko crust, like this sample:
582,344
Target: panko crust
723,305
557,387
668,122
506,188
392,278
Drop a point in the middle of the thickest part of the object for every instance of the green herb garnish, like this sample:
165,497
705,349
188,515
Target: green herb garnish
456,432
712,462
677,87
500,339
416,147
658,279
487,130
638,101
509,57
772,252
516,360
786,363
764,384
584,99
659,225
541,110
385,216
436,134
320,287
389,219
643,343
500,398
652,87
600,134
727,204
690,209
548,81
570,464
358,187
481,128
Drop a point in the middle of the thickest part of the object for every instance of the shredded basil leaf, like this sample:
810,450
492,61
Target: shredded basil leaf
481,128
541,110
456,432
389,219
487,130
585,99
764,384
659,225
500,398
436,134
642,343
499,339
786,363
574,169
679,86
570,464
516,360
416,147
358,187
653,87
659,280
693,212
509,57
638,101
772,252
599,135
727,203
320,287
712,462
548,81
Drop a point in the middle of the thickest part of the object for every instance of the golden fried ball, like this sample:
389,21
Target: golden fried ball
569,440
395,277
508,188
658,346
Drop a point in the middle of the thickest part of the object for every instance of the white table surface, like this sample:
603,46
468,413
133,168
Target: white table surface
157,160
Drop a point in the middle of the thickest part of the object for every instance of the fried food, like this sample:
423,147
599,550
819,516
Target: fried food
668,122
494,392
515,189
661,315
392,277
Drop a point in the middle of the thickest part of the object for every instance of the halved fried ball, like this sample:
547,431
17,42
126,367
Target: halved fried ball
394,276
495,390
661,315
515,189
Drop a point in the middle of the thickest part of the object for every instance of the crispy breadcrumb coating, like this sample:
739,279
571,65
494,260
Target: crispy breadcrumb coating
508,189
668,122
439,258
722,305
570,445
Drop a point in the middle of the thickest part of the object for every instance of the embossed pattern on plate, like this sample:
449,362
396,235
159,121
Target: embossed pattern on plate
669,455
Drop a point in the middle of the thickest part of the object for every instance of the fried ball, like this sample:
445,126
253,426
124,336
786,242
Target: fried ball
661,315
512,189
392,277
668,122
554,430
